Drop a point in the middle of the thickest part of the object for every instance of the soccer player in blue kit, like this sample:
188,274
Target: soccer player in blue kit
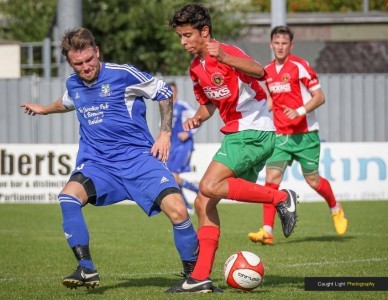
182,143
117,158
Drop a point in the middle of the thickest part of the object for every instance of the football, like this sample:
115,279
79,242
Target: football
244,271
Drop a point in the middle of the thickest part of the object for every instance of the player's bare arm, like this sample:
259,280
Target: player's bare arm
204,112
270,102
269,98
38,109
316,100
161,147
247,66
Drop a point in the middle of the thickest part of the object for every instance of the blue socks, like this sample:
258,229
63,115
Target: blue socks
74,226
77,235
190,186
188,205
186,240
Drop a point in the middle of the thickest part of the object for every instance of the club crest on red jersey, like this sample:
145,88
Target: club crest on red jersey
217,79
286,77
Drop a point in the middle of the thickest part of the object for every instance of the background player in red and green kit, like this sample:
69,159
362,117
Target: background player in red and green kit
225,78
295,93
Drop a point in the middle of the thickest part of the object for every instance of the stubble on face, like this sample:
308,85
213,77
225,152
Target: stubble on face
85,63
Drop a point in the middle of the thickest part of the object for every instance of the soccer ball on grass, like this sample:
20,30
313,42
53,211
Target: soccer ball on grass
244,270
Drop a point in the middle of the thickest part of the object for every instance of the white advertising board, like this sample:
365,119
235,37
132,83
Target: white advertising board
36,173
10,61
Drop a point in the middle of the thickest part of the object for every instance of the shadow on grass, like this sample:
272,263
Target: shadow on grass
283,281
135,283
320,238
270,282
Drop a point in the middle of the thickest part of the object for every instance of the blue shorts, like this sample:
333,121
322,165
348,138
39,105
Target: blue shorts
179,159
140,179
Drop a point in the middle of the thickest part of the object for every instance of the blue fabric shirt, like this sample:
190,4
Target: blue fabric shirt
112,112
182,112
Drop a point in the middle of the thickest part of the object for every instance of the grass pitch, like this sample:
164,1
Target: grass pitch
136,257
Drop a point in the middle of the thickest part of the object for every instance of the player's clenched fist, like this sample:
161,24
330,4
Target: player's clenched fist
215,50
192,123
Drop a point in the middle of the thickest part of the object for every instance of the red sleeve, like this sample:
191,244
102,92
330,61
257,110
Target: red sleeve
308,77
237,52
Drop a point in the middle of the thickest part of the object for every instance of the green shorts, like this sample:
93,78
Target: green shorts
245,152
304,148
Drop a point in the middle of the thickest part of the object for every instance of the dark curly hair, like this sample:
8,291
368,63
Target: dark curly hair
196,15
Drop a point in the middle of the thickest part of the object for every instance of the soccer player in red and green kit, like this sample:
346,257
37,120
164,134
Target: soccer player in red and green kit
225,78
295,93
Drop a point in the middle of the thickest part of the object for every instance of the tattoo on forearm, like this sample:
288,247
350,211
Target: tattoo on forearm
165,108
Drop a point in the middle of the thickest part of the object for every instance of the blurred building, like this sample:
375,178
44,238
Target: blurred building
354,42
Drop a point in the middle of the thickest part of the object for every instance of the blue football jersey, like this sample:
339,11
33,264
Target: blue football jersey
180,153
112,112
182,112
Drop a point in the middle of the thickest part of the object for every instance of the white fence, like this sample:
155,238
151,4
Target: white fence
356,110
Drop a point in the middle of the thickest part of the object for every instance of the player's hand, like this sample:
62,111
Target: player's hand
290,113
215,50
183,136
33,109
161,147
192,123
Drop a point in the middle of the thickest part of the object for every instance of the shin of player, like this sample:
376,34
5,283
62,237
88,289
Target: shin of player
225,78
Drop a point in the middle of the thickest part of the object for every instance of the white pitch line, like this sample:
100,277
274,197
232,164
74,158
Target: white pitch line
107,275
373,259
376,259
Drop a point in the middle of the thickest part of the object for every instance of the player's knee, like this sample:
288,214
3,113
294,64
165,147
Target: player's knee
75,190
274,176
171,202
209,188
179,213
201,205
312,184
312,180
81,187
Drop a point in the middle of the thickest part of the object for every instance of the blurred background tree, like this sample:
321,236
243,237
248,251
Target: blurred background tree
321,5
136,31
26,20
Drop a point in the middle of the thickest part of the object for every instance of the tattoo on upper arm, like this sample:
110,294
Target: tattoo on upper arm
165,108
